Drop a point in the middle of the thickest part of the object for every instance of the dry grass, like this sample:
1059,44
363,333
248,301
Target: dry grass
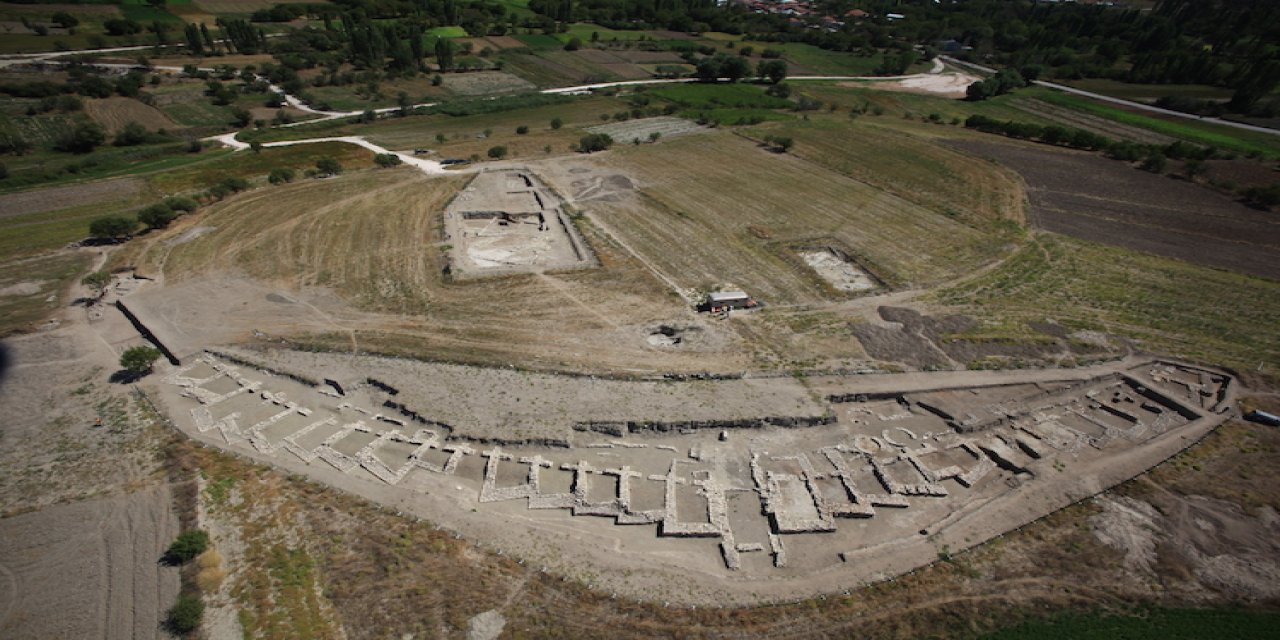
114,113
733,209
936,177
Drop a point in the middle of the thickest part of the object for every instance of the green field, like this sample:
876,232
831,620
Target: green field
814,60
583,31
540,42
447,32
1268,145
146,14
1155,624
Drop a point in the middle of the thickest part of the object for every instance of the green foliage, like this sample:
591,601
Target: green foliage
112,227
189,544
328,167
132,134
181,203
593,142
156,216
139,360
477,106
185,616
522,129
498,152
774,70
556,123
386,160
281,175
83,138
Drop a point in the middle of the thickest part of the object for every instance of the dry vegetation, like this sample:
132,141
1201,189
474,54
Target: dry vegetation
735,220
114,113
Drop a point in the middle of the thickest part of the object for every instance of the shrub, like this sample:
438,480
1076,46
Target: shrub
498,152
328,167
234,184
522,129
181,203
156,216
594,142
386,160
189,544
84,138
556,123
112,227
185,616
282,175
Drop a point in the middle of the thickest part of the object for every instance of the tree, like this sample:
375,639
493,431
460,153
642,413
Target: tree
328,167
112,227
83,138
774,70
498,152
156,216
573,44
522,129
593,142
131,135
65,20
556,123
138,360
185,616
444,54
280,175
386,160
181,203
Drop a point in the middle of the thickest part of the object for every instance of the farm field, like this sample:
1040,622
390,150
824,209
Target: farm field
739,221
1165,305
906,165
1093,198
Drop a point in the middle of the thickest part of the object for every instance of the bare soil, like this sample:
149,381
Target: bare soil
1086,196
54,198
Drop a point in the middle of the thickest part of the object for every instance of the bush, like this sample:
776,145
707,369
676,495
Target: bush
139,360
234,184
386,160
282,175
522,129
84,138
181,203
189,543
556,123
185,616
156,216
593,142
112,227
328,167
497,153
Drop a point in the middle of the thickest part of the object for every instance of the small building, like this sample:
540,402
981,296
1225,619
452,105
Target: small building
722,301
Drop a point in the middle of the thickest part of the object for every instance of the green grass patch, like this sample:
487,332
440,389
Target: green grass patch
447,32
1154,624
146,14
583,31
1167,305
540,42
1204,133
698,95
33,282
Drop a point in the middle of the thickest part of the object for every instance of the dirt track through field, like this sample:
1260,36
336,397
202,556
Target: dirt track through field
1085,196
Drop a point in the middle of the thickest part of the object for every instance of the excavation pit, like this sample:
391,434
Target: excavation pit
508,222
839,270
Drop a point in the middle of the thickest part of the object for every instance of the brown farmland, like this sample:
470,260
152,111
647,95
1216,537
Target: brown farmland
1093,198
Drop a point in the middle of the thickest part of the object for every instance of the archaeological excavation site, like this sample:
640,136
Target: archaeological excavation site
754,487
